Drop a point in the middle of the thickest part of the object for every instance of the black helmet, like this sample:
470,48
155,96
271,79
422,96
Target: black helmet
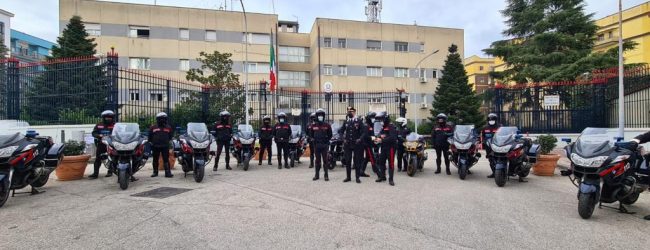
108,116
312,116
320,113
492,117
387,119
370,117
161,118
441,116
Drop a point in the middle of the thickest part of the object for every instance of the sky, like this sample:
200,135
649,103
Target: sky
480,19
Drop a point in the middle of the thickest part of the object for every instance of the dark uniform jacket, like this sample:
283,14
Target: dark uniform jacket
402,133
222,132
159,137
351,131
440,135
389,136
489,130
643,138
101,127
266,133
282,132
321,133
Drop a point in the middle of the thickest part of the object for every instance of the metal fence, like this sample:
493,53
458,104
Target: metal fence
569,107
76,90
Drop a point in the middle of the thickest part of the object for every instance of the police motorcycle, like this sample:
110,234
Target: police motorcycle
605,171
513,155
414,145
126,153
297,144
192,149
26,161
244,145
336,146
464,149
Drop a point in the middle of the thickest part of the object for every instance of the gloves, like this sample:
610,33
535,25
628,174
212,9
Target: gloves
631,145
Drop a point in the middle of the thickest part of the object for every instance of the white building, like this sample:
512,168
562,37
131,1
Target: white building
5,26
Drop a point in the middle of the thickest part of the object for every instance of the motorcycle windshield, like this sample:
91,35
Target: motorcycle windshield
6,140
335,130
594,142
125,132
505,136
198,132
245,131
413,137
464,133
378,126
296,131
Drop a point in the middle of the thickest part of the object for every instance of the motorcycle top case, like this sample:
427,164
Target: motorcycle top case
53,155
532,153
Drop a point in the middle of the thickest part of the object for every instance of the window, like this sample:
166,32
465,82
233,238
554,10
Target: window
343,70
373,71
139,63
2,29
401,72
93,29
210,35
422,73
373,45
258,68
184,65
422,47
293,54
435,73
610,35
156,95
343,97
257,38
480,68
327,42
601,37
374,100
327,70
134,94
424,98
184,34
343,43
401,47
408,99
293,79
139,31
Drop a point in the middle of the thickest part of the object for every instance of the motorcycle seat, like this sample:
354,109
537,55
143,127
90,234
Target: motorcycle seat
6,140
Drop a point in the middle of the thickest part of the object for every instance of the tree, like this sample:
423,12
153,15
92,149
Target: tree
215,71
454,95
3,48
549,40
74,41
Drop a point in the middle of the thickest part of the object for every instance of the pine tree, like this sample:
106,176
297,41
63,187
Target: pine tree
74,41
454,95
3,48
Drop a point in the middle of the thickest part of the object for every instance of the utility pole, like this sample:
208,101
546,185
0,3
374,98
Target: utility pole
417,66
246,36
621,93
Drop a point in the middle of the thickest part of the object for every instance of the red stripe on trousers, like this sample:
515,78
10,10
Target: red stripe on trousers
372,158
391,161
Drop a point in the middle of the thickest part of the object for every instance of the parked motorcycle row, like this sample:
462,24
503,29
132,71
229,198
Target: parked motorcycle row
603,169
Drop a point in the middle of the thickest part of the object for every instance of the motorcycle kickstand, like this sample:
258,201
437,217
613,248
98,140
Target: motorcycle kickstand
623,210
521,179
35,191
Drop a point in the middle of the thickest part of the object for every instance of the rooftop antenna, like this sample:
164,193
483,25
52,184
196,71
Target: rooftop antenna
373,11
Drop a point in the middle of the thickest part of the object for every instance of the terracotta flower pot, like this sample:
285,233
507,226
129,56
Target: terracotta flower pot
172,161
72,167
545,165
306,153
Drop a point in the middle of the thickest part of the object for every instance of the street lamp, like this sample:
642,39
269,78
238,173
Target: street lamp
246,35
621,94
417,66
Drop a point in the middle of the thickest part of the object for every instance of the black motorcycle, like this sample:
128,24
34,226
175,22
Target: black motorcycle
126,152
26,161
513,155
596,156
244,145
192,149
336,147
296,144
464,149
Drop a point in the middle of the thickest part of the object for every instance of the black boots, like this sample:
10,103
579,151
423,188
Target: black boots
279,164
155,171
448,171
95,171
168,171
391,172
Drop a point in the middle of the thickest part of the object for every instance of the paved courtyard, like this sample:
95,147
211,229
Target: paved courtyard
284,209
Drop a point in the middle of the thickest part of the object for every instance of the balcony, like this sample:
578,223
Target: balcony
605,42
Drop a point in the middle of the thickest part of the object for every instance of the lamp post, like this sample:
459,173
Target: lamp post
417,66
402,102
621,94
246,35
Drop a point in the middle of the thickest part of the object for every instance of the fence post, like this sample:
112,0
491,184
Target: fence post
304,112
205,103
498,100
351,99
112,73
169,99
13,89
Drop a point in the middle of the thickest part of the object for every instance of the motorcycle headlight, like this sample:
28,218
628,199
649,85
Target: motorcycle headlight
462,146
593,162
247,141
200,145
8,151
125,147
501,149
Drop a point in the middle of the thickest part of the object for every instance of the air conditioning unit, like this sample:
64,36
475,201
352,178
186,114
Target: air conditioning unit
423,79
424,105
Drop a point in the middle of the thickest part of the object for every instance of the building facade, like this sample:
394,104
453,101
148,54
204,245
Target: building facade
351,55
5,26
636,27
28,48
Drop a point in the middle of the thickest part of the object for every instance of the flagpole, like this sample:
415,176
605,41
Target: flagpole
245,63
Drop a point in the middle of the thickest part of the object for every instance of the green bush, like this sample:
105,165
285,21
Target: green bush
546,143
73,148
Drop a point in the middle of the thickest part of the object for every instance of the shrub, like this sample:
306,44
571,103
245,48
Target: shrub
546,143
73,148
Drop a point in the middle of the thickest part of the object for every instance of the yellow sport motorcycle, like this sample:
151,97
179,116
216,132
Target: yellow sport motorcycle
415,156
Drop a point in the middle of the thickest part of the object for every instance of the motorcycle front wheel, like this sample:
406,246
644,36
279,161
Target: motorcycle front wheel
500,177
586,204
412,167
247,161
462,171
199,172
292,162
123,179
5,188
331,161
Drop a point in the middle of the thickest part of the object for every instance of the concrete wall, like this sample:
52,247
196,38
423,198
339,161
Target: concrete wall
72,132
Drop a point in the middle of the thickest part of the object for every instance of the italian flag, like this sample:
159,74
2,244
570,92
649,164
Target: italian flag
272,69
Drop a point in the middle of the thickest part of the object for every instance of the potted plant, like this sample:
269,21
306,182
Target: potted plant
546,162
75,160
172,161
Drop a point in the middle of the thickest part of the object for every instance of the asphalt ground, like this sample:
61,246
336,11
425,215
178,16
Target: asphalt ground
268,208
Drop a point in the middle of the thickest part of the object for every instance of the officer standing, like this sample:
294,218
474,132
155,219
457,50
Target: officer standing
351,134
101,129
488,132
369,144
312,121
321,133
402,132
440,135
160,134
388,139
223,134
266,139
282,134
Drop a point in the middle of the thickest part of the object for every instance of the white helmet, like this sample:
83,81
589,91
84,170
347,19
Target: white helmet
108,113
161,114
401,121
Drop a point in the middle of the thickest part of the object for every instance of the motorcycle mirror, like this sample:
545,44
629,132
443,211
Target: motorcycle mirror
518,132
567,140
618,139
518,137
31,133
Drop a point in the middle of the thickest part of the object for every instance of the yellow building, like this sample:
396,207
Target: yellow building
352,55
636,27
478,70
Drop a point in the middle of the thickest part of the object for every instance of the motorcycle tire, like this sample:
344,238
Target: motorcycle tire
331,161
5,189
586,205
462,172
500,177
246,164
199,172
41,181
412,167
123,179
631,199
292,162
523,174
